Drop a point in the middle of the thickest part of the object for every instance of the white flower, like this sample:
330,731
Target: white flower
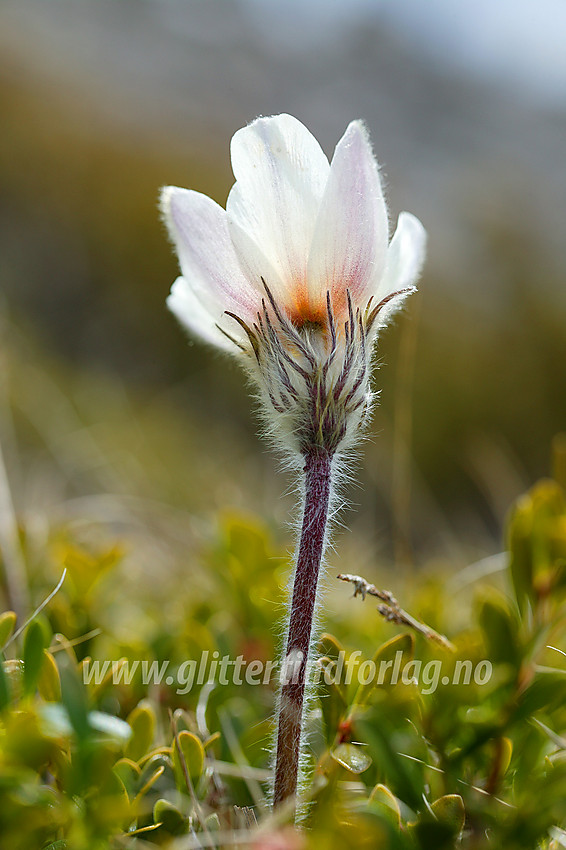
297,274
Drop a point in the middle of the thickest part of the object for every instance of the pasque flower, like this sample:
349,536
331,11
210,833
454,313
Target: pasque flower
296,276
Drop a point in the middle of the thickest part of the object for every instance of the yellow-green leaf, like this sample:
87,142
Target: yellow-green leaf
128,771
4,687
33,657
192,754
450,810
382,800
49,684
169,816
500,629
212,822
142,721
388,662
352,757
7,623
328,645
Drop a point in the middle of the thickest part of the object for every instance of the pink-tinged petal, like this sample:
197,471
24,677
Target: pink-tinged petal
255,265
199,230
189,309
405,256
350,240
281,172
405,259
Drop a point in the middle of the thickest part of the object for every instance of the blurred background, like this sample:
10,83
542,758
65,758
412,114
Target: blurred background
109,417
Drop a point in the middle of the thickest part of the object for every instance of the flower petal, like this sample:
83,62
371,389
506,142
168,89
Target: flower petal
281,172
405,256
405,259
350,240
198,227
194,316
255,265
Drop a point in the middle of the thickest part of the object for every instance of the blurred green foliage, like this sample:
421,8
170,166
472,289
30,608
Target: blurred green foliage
117,762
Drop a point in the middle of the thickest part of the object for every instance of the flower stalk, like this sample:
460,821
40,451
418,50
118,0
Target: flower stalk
295,278
318,475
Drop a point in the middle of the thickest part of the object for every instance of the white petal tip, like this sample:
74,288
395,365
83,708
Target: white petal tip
164,199
358,133
413,225
358,126
167,197
178,295
283,119
417,238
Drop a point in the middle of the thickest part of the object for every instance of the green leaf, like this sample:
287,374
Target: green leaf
352,757
156,775
385,804
328,645
450,810
519,531
33,657
4,686
388,661
14,672
384,737
49,684
129,772
142,722
500,630
212,822
7,624
114,801
332,700
547,691
74,696
193,756
169,817
536,538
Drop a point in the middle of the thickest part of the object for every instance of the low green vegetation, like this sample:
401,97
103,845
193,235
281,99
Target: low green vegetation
471,754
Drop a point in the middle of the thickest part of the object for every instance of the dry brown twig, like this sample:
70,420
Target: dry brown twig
392,611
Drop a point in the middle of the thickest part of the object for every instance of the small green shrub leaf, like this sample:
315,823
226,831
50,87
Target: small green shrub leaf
450,810
142,722
7,624
193,756
352,757
33,657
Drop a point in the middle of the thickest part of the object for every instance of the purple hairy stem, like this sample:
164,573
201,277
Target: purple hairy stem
317,470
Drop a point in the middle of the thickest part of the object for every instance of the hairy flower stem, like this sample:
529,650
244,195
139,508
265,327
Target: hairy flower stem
317,470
